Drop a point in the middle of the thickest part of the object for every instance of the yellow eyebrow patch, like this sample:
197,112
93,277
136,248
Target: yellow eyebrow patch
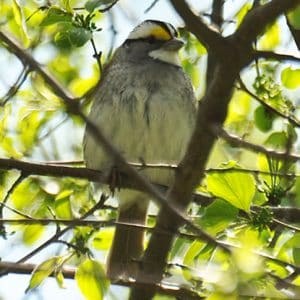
160,33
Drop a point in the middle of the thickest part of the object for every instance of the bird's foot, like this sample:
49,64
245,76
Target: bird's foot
114,180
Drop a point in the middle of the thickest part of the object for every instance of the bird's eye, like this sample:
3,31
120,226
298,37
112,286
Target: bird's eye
151,39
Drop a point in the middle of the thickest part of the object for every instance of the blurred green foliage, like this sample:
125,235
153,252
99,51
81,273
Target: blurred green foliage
34,125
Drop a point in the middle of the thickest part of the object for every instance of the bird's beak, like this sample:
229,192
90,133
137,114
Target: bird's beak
173,45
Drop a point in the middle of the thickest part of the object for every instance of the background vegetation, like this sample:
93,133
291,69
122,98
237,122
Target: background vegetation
227,228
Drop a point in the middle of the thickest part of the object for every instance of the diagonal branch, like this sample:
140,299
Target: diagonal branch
261,16
210,38
29,61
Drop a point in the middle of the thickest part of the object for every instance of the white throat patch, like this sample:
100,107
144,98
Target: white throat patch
170,57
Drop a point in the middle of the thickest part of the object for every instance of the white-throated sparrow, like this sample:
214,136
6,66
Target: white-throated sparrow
146,107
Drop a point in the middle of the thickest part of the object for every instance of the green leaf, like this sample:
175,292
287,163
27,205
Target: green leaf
74,37
294,17
30,198
91,279
191,256
56,15
32,233
79,36
8,145
290,78
67,5
271,38
63,206
60,279
242,13
277,140
296,255
236,187
19,19
217,216
103,239
91,5
42,271
28,126
263,118
62,40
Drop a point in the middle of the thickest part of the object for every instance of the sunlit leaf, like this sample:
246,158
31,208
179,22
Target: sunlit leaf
192,70
271,38
29,124
294,244
239,107
8,145
91,280
217,216
242,13
80,86
236,187
32,233
250,242
63,206
42,271
102,239
60,279
28,197
290,78
67,5
191,256
221,296
19,19
64,69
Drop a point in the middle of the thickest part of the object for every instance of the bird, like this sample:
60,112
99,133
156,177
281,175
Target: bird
145,106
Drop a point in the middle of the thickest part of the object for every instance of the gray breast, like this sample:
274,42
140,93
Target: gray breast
147,111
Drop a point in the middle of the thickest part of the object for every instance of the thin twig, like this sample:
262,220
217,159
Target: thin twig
235,140
16,87
108,7
268,106
97,55
3,204
275,56
150,6
59,233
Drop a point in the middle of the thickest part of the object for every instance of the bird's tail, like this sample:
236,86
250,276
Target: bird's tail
128,242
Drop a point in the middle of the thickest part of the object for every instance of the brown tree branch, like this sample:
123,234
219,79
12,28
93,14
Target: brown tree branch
217,21
69,273
262,16
27,269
